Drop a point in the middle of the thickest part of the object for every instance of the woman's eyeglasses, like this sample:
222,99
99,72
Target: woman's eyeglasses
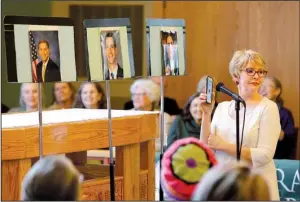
252,72
137,94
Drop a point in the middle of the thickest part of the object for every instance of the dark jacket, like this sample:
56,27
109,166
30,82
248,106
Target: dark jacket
120,73
182,129
52,73
287,145
4,108
170,106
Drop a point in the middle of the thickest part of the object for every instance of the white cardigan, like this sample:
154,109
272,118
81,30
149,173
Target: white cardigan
261,133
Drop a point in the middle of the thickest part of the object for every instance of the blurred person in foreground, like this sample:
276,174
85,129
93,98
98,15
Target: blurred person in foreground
52,178
183,165
232,182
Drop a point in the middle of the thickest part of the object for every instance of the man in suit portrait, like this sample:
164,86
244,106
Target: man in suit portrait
171,56
47,70
113,70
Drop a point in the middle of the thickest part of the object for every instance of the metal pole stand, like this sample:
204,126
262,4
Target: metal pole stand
111,159
162,131
40,112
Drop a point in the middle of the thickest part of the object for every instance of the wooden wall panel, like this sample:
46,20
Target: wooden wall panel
214,31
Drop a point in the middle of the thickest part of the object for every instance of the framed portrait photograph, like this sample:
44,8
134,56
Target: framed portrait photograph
39,49
166,47
108,44
45,57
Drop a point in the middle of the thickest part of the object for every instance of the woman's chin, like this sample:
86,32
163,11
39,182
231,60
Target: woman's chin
253,88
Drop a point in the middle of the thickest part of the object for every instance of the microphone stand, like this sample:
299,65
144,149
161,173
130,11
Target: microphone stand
237,110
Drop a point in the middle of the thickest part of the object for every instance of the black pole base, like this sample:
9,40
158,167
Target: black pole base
112,181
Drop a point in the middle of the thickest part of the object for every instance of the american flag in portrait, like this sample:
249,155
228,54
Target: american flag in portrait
34,57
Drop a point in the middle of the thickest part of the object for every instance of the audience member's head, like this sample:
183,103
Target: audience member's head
192,109
231,182
183,165
53,178
145,94
91,96
272,89
29,96
247,61
63,93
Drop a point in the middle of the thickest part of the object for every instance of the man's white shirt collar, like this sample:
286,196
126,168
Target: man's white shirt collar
115,72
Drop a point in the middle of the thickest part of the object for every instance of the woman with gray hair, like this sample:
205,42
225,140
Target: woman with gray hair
262,125
145,95
28,98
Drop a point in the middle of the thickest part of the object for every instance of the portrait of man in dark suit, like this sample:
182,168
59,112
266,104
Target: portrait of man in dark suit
46,70
113,69
170,53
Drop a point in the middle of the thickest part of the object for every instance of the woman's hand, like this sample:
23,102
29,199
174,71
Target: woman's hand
216,142
206,108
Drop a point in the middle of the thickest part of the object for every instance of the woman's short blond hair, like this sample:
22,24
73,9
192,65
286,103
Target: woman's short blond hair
241,58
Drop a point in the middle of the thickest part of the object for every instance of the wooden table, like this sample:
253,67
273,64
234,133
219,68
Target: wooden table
74,131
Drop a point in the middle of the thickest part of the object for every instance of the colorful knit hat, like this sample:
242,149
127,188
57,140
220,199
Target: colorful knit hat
183,165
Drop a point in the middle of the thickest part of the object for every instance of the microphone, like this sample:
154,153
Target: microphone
220,87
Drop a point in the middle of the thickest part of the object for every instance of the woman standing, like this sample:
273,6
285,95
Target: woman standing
262,125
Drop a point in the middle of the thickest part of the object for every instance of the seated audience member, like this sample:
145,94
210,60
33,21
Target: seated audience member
232,182
90,96
145,95
187,124
201,88
63,96
28,98
170,105
272,89
4,108
53,178
183,165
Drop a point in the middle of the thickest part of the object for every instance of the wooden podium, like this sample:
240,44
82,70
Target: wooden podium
73,132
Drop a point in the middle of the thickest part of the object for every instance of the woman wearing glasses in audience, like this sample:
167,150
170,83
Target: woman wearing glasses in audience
90,96
145,95
28,98
262,125
63,96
